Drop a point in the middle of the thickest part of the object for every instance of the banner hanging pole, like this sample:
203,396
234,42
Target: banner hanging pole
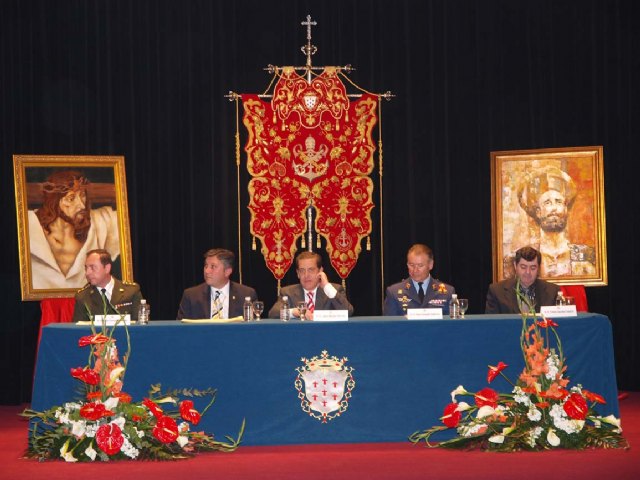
238,191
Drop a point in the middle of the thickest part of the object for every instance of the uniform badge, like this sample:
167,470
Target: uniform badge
324,385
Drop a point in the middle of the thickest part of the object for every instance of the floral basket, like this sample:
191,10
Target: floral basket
541,412
104,424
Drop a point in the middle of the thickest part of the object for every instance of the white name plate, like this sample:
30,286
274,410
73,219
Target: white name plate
111,320
330,315
559,311
424,314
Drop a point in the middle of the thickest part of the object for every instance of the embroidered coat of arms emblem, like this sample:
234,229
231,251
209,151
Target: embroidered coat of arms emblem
324,384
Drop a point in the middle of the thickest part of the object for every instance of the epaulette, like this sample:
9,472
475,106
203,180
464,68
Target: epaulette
88,285
129,283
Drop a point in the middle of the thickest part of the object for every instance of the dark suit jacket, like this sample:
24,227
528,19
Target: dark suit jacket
296,294
196,301
437,295
125,298
501,297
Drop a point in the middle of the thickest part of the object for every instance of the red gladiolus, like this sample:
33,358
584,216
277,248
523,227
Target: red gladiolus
166,430
547,322
576,407
94,411
96,339
85,374
155,409
487,396
109,438
593,397
451,416
188,413
124,397
494,371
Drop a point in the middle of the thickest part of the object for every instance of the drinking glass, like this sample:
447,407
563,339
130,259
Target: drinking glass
569,301
302,310
464,304
258,308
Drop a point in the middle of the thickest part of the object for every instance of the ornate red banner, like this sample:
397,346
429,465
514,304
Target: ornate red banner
310,146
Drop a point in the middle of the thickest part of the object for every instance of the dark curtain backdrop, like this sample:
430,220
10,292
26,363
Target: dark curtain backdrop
146,79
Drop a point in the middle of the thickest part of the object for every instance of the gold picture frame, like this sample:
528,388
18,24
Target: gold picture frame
551,199
91,192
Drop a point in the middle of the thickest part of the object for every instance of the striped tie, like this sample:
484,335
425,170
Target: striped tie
310,305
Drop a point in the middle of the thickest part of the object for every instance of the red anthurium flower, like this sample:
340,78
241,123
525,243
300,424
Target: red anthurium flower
166,430
487,396
593,397
94,411
109,438
547,322
155,409
576,407
494,371
188,413
94,395
542,404
451,416
87,375
96,339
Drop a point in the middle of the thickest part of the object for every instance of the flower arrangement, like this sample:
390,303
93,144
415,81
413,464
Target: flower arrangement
106,425
541,412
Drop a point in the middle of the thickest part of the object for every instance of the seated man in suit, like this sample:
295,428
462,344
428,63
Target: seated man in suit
330,296
104,294
420,290
502,298
217,297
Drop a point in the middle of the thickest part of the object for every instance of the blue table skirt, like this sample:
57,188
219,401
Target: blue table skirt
404,370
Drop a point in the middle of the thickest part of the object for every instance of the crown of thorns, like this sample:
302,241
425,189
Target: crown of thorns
78,183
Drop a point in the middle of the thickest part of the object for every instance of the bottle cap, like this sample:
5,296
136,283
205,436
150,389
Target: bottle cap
247,298
285,297
143,301
454,295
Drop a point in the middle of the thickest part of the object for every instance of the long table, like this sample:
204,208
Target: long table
404,370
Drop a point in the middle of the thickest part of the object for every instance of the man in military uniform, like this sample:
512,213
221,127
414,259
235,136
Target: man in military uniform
420,290
547,196
104,294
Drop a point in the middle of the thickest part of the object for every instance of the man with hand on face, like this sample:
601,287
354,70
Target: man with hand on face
502,298
105,294
420,290
314,289
217,297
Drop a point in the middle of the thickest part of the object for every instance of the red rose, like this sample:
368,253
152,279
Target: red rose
155,409
92,340
576,407
487,396
109,438
188,413
451,416
94,411
166,430
494,371
87,375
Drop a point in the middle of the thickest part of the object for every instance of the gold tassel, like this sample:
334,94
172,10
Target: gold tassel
303,244
368,244
318,243
344,284
253,244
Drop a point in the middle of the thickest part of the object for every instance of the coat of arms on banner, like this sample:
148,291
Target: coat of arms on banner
324,385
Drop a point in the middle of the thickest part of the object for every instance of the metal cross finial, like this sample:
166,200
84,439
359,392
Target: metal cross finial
308,24
309,49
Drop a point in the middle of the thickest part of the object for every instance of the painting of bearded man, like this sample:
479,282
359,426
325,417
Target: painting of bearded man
70,210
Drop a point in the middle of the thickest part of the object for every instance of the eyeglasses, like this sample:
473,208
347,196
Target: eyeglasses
416,266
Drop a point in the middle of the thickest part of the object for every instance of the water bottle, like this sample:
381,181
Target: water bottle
144,312
285,310
247,309
560,299
454,306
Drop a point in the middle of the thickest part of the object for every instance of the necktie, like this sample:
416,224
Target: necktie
104,297
420,292
217,307
310,305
